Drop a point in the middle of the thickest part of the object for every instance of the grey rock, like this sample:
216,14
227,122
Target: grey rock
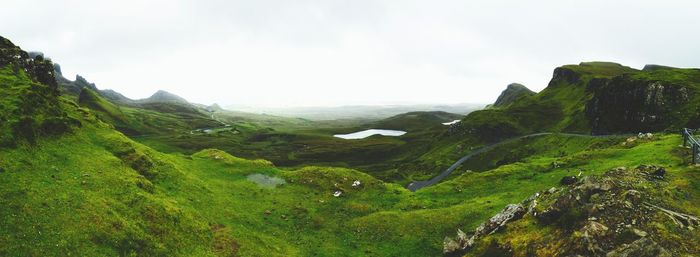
462,243
644,247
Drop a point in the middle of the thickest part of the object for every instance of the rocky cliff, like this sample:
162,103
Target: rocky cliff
598,98
652,100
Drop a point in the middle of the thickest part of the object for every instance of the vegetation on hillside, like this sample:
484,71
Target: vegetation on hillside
72,184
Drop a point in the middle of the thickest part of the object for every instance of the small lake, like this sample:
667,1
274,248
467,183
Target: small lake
371,132
266,181
450,123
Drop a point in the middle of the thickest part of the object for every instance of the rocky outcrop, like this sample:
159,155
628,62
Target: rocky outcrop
34,108
37,68
498,221
513,92
625,212
632,104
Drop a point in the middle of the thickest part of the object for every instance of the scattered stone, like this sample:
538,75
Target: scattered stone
555,165
568,180
639,233
612,215
337,193
633,195
356,183
590,233
643,247
268,212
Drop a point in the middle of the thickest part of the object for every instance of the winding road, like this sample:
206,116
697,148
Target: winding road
415,185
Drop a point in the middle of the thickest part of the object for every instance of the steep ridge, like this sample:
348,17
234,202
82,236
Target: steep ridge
511,94
29,104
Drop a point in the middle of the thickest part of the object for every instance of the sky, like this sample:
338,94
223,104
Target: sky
281,53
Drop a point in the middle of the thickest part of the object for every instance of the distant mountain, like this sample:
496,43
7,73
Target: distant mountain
371,112
511,94
164,96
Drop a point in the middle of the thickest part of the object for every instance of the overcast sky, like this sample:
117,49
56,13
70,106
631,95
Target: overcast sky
304,53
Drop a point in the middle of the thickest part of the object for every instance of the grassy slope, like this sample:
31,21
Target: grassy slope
107,111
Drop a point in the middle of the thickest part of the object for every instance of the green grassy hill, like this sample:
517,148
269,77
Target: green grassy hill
416,121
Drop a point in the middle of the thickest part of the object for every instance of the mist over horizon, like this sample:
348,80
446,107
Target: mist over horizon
333,53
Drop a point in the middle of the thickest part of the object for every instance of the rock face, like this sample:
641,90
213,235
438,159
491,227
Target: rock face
512,93
631,104
624,212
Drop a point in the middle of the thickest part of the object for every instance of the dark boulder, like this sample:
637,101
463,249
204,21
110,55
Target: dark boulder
660,172
568,180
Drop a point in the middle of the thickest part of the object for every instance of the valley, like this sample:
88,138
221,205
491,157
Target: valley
89,172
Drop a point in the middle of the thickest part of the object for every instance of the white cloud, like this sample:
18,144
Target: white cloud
275,52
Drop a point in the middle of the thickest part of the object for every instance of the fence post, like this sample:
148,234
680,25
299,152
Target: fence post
685,137
695,153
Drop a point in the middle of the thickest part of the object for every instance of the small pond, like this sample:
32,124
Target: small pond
371,132
266,181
